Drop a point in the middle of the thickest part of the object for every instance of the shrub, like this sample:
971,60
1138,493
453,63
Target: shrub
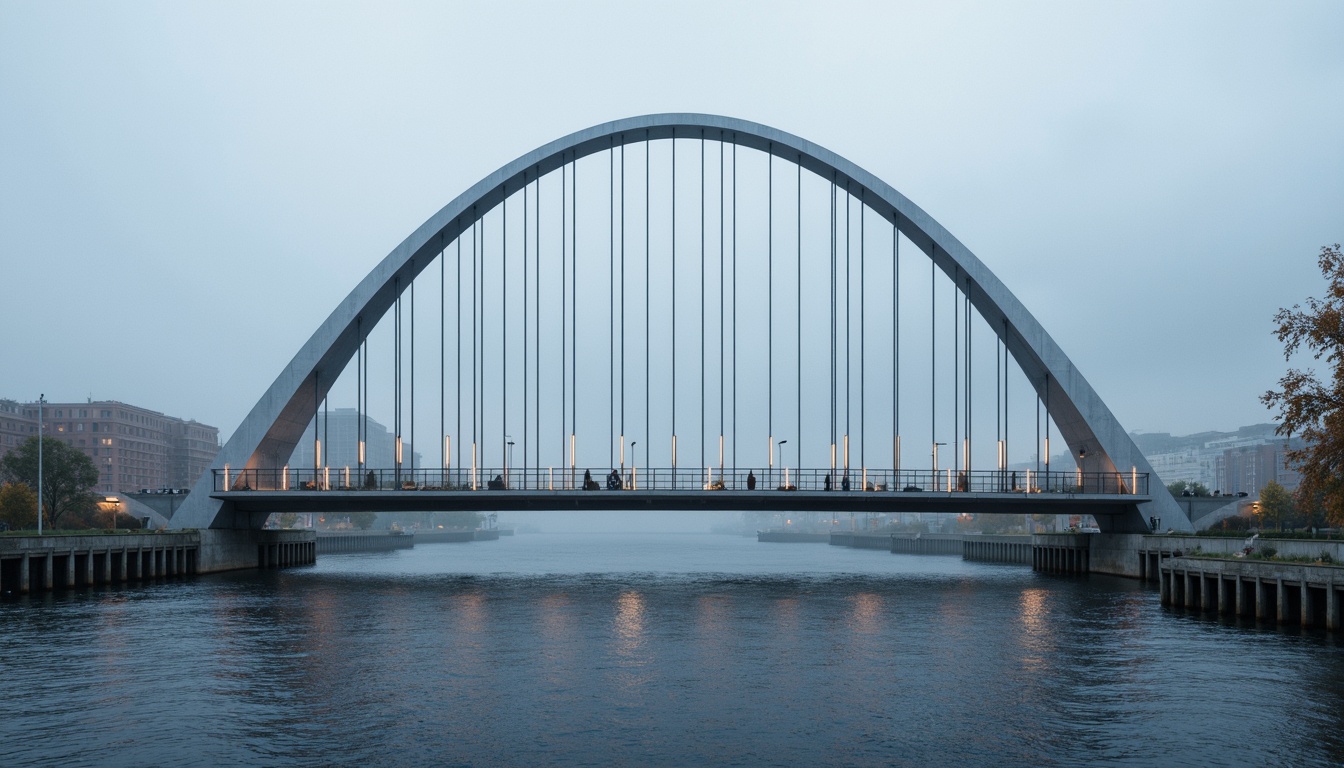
1268,552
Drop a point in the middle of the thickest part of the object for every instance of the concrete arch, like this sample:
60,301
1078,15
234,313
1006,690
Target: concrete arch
278,420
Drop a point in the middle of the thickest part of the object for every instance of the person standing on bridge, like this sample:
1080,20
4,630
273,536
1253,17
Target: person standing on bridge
751,480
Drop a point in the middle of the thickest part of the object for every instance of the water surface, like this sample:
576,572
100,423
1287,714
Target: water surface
651,649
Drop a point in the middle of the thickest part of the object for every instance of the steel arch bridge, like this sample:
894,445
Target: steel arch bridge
251,477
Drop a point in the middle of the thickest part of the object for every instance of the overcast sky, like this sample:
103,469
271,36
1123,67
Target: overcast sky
188,189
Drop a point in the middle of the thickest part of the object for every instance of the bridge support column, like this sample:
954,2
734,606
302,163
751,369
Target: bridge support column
1281,601
24,574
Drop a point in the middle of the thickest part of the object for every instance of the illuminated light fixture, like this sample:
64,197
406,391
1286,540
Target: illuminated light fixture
473,466
326,478
772,452
398,450
447,451
949,479
284,478
361,453
347,476
226,477
550,484
720,454
846,453
896,454
317,452
1134,480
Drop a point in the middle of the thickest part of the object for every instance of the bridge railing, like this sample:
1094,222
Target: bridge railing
707,479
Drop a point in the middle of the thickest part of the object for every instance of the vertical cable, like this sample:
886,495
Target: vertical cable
969,391
863,317
359,393
722,253
798,338
933,354
648,149
504,327
564,314
611,300
536,330
475,392
702,297
622,302
457,339
734,301
833,322
443,352
956,368
412,430
574,319
895,346
849,205
770,301
674,308
525,339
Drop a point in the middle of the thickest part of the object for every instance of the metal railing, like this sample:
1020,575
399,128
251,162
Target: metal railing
708,479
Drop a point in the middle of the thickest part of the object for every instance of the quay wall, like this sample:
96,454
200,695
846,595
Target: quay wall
39,563
335,542
860,540
1290,594
793,537
997,548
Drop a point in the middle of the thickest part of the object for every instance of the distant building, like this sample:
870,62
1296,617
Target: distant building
15,426
339,431
134,448
1243,461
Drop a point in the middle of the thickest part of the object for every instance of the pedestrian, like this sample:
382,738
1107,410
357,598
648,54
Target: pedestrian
751,480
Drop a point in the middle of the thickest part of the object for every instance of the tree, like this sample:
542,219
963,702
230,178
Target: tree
1276,504
362,520
68,476
1308,406
18,506
1180,486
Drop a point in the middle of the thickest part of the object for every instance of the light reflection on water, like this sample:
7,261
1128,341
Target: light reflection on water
673,650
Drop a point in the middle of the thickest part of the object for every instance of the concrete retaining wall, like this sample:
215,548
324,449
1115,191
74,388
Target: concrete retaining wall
334,542
1283,593
35,563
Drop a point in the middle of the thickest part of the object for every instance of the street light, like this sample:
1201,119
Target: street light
508,463
114,503
634,466
781,459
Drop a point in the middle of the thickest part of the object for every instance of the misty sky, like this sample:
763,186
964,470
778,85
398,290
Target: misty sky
186,190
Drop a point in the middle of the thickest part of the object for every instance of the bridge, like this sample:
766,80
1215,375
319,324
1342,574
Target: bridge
737,317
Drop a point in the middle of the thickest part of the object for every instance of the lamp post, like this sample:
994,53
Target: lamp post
509,462
41,400
115,504
781,459
634,466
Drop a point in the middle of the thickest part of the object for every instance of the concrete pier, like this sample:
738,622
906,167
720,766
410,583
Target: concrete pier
997,548
1296,594
37,563
1062,552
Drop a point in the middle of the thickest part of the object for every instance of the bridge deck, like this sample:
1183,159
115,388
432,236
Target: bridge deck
670,500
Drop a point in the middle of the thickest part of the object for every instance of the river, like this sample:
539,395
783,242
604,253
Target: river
654,649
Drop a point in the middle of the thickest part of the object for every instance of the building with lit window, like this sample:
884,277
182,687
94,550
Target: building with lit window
134,448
